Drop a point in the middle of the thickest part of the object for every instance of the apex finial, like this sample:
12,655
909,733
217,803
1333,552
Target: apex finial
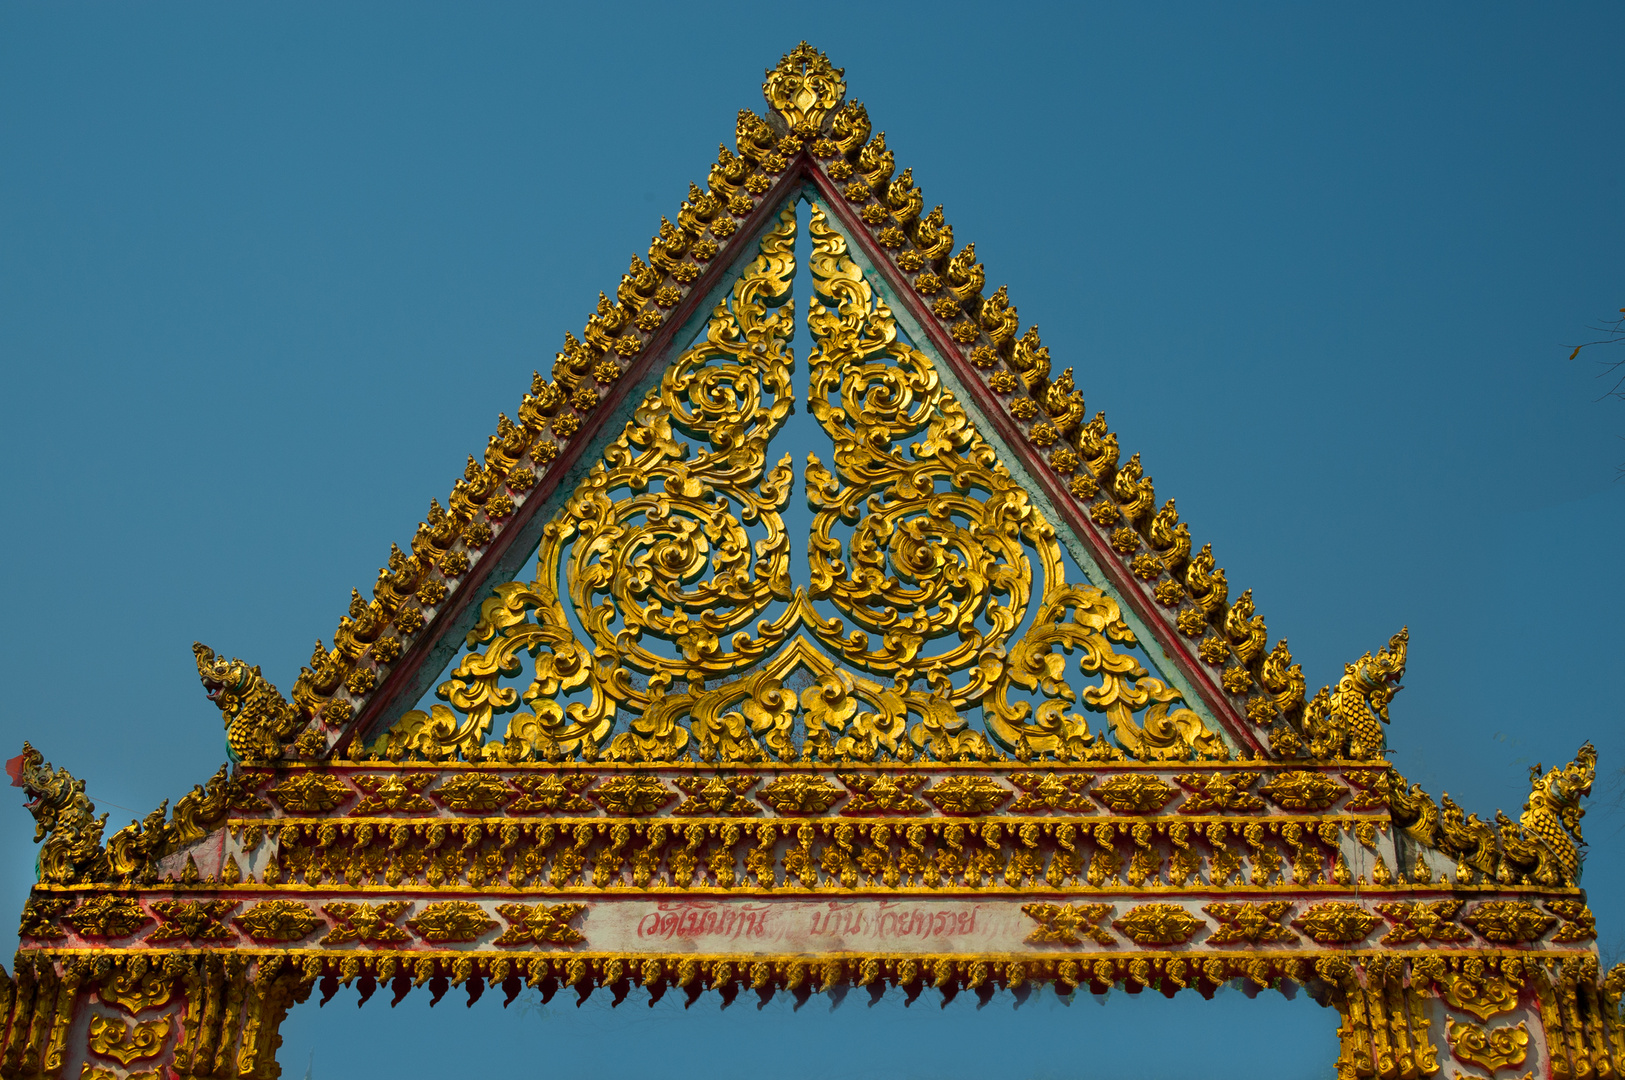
804,88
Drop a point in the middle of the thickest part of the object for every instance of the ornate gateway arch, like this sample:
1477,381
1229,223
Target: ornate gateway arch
998,722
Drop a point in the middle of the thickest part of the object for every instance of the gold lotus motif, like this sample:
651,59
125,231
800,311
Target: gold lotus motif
716,795
194,920
1052,792
552,794
1068,924
365,922
394,793
1253,924
1298,789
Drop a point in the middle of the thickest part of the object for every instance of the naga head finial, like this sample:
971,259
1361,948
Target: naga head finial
1561,789
258,719
804,88
1378,676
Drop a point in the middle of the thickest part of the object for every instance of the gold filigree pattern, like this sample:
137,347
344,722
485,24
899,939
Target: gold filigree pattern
636,795
1219,791
726,795
1337,923
471,793
1509,922
393,793
370,923
1158,924
801,794
540,924
883,793
1133,793
967,795
1303,790
279,920
1422,921
126,1042
1484,997
108,917
1068,924
451,920
1064,793
1252,924
192,920
311,793
552,794
1491,1049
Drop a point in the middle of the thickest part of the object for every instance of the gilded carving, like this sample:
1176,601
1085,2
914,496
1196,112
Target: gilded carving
804,88
1134,793
1484,996
724,795
1579,924
1251,924
540,924
370,923
279,920
1158,924
472,793
108,917
1422,921
40,915
1337,923
192,920
136,990
635,795
393,792
553,794
1064,792
801,793
882,793
1491,1049
1228,792
311,793
1068,924
967,795
451,920
1299,789
130,1041
1508,922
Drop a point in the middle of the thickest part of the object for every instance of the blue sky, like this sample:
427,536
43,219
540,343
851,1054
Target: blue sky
267,275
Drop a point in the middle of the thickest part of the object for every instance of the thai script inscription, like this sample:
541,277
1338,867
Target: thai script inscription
829,925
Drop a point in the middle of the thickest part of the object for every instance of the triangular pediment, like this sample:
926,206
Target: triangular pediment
1173,668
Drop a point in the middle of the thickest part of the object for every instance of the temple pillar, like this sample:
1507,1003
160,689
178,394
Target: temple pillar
146,1018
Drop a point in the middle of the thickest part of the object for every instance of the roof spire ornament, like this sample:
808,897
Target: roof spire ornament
804,88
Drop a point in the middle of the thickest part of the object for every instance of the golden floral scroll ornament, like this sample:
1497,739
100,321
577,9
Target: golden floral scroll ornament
1068,924
193,920
1252,924
1065,793
1337,923
1509,922
804,88
1299,789
967,795
635,795
279,920
540,924
725,795
553,794
1158,924
311,793
1422,921
108,917
372,923
135,991
451,920
389,793
801,794
1484,995
127,1042
1491,1049
1134,793
925,558
473,793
